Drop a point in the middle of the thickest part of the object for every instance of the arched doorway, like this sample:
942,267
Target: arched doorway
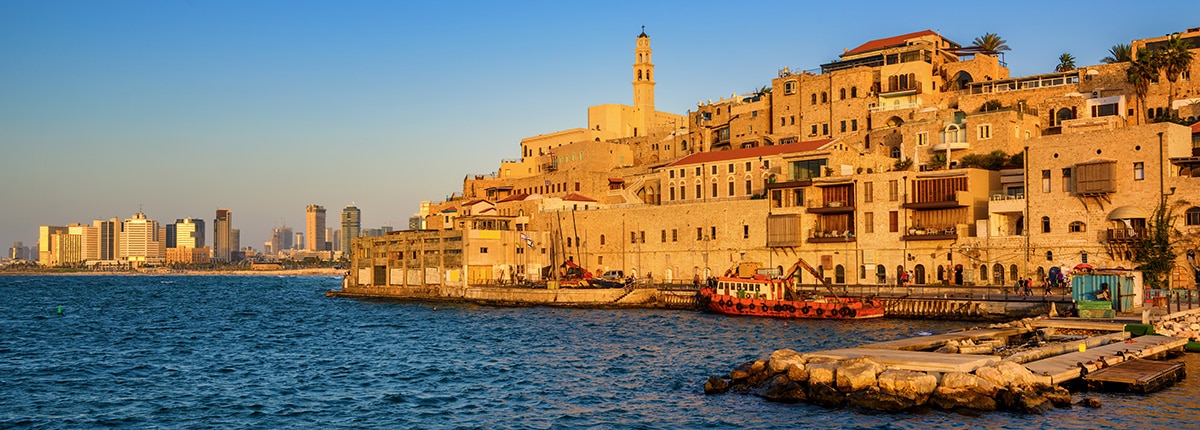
881,274
941,273
962,79
1013,273
919,274
899,270
839,274
998,270
958,274
1063,115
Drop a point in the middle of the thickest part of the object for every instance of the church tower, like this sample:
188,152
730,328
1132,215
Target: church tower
643,78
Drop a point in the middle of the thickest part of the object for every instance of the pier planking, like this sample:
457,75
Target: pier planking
1065,367
914,360
924,343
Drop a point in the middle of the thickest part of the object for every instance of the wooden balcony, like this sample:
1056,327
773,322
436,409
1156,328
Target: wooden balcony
1125,235
830,208
931,234
957,200
831,237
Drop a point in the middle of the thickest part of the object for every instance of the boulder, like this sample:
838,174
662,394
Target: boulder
876,399
821,373
780,360
991,375
825,395
1089,402
857,374
1058,396
1015,374
780,388
716,385
1021,400
955,398
750,373
797,373
915,387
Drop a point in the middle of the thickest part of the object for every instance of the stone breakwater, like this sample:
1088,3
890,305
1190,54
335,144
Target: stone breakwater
1182,325
787,376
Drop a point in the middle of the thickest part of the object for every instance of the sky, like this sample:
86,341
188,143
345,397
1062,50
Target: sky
177,108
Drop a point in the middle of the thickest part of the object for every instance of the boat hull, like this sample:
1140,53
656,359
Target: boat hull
826,308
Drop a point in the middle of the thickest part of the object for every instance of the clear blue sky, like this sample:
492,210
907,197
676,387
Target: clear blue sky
181,107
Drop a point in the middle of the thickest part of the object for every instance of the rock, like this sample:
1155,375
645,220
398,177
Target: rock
857,374
1194,327
916,387
875,399
954,398
825,395
1015,374
821,373
716,385
991,375
947,350
1089,402
748,376
780,388
797,373
1018,399
1058,396
959,380
781,359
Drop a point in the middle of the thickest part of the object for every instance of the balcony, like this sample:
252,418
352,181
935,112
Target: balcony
789,184
1004,203
1125,235
957,200
953,145
895,106
948,233
831,237
833,207
901,90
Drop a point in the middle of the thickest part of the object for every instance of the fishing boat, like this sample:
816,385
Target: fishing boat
742,292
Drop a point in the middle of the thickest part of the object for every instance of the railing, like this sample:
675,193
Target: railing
886,108
996,197
1182,299
914,87
1125,234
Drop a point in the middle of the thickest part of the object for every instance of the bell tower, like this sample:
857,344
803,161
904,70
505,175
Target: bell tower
643,74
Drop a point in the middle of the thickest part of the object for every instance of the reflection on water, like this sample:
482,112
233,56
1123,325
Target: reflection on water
274,352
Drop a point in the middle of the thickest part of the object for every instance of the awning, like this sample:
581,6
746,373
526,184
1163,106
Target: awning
1127,212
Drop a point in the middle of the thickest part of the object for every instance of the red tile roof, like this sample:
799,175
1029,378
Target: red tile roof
759,151
887,42
1196,128
515,197
577,198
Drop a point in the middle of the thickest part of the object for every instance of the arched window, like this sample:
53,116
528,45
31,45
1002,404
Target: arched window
1012,271
639,75
839,274
983,272
1192,216
881,273
814,98
896,152
683,145
842,93
647,75
941,273
853,92
824,97
998,269
919,274
1077,227
1049,255
1045,224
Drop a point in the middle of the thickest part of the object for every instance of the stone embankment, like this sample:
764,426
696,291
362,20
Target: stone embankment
1184,324
788,376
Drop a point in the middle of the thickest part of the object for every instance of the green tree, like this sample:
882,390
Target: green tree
995,160
1119,53
1155,254
990,43
1173,59
1066,62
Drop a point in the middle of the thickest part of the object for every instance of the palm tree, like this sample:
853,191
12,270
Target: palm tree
991,43
1119,53
1174,58
1140,73
1066,62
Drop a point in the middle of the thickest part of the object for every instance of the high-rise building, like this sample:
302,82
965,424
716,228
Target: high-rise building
140,239
235,239
48,254
186,233
108,236
222,240
351,225
282,238
315,216
299,241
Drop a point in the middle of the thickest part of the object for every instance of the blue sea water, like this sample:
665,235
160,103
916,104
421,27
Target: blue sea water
274,352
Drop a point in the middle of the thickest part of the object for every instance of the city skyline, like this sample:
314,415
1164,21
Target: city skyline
329,97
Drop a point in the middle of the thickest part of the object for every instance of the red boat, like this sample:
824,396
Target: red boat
759,295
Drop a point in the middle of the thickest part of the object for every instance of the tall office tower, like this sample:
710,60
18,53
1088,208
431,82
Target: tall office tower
140,239
299,241
47,254
169,238
282,238
17,252
336,234
222,240
351,225
88,241
188,233
315,216
329,238
235,239
109,232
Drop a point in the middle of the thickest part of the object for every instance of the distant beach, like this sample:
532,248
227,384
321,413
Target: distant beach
172,272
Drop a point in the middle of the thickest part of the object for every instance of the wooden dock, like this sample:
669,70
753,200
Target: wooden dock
1139,376
1072,365
927,343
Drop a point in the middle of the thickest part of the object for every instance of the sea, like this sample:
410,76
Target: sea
274,352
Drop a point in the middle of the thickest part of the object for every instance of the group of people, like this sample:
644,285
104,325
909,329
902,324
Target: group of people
1055,279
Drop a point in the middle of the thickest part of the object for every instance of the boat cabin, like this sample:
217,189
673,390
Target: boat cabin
758,287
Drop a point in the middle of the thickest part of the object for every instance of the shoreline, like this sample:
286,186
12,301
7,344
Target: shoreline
288,272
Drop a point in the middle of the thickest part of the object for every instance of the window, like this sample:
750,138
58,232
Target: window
671,174
748,185
985,132
730,188
1083,257
1139,171
682,192
825,128
699,233
697,171
682,173
853,92
1049,255
824,97
568,242
1066,179
814,98
633,237
782,121
602,239
714,189
1077,227
483,250
642,236
1045,224
843,126
854,127
842,94
807,169
664,236
672,193
869,222
699,191
745,232
1192,216
714,233
792,120
868,192
1045,181
789,87
730,167
674,235
893,190
714,169
893,221
814,129
747,166
922,139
